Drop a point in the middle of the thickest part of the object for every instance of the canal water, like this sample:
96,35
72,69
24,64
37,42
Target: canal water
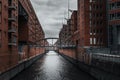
52,67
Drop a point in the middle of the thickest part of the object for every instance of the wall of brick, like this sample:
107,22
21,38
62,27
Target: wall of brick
69,52
25,35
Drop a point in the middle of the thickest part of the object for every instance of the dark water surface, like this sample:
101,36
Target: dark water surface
52,67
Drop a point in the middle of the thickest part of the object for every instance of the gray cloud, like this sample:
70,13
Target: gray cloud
51,13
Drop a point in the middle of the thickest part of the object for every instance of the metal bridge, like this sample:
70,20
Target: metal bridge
47,45
49,38
54,46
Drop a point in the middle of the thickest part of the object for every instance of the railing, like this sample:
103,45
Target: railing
12,42
104,54
12,30
11,7
106,57
67,46
98,50
12,18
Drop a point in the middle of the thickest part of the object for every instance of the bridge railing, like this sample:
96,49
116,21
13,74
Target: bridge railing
66,46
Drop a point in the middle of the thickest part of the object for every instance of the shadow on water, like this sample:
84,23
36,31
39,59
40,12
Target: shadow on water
52,67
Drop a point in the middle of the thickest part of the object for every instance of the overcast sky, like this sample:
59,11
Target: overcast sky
51,14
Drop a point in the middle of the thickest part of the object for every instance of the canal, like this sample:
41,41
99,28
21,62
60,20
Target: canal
52,67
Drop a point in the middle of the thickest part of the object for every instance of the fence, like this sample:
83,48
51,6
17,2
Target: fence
105,54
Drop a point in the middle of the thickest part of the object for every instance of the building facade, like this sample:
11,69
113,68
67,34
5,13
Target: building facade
8,34
114,24
74,28
68,36
92,23
20,33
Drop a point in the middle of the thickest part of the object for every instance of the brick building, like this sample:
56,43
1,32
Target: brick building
20,32
74,28
64,34
87,28
8,34
68,36
92,23
114,24
27,22
74,22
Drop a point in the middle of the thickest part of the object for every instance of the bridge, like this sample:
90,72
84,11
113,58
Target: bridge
49,45
54,46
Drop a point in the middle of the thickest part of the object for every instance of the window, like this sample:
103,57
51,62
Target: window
94,40
90,15
94,32
112,5
118,4
0,18
90,8
0,7
90,31
114,16
0,38
0,12
14,40
118,32
90,40
118,15
110,35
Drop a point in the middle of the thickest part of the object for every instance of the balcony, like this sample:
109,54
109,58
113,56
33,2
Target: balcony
11,19
12,41
12,44
12,30
12,8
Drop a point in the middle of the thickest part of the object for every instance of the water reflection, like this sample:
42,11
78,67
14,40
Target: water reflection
52,67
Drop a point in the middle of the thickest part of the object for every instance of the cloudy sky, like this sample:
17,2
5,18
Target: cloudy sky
51,14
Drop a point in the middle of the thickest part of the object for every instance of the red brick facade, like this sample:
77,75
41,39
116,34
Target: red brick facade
20,31
8,34
92,23
30,29
68,37
87,28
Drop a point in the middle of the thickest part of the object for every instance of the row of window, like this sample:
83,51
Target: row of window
95,7
0,38
0,12
112,34
94,32
96,1
97,15
96,23
96,41
114,16
114,5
